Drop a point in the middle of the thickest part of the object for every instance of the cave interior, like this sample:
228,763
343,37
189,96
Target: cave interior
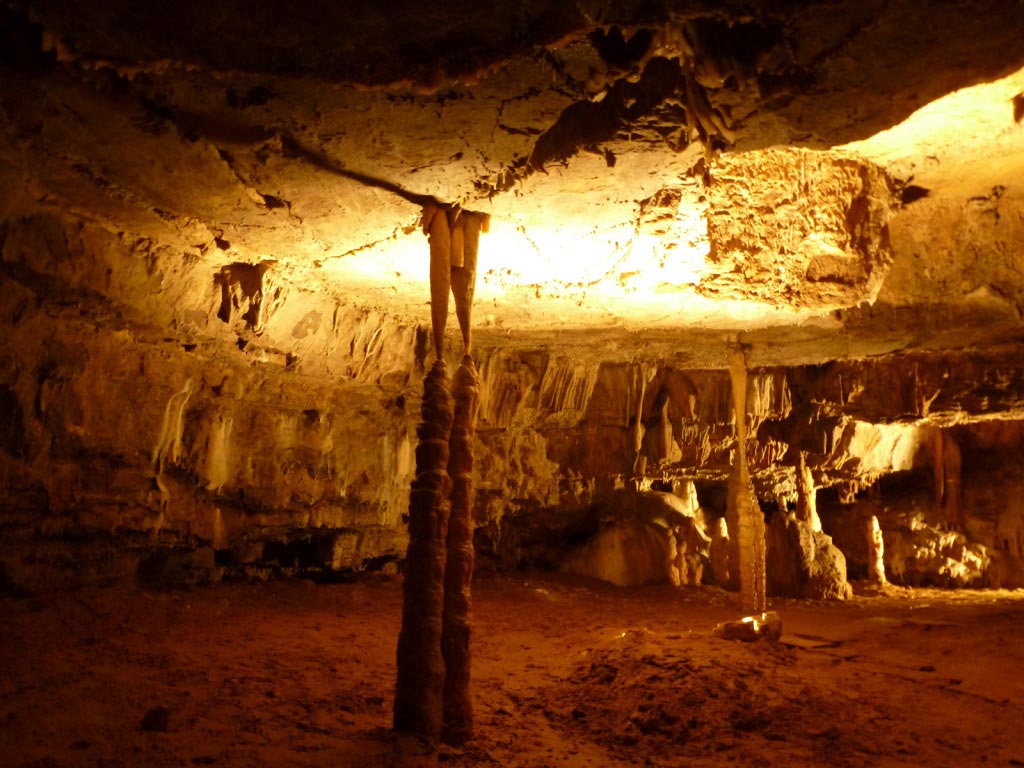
744,269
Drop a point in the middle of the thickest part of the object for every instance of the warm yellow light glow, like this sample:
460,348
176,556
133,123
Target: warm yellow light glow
884,448
561,276
968,140
550,265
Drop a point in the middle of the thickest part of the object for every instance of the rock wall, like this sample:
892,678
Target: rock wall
149,410
983,548
150,403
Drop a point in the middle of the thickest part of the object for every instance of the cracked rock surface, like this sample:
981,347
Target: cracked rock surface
214,287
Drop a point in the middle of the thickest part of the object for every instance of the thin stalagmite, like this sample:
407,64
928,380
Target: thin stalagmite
418,693
806,493
951,472
876,552
639,460
458,608
747,522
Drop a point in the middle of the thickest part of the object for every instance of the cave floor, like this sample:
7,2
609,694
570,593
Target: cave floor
567,673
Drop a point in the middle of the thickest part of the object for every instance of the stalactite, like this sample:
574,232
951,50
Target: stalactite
946,471
463,273
639,460
418,692
747,522
435,224
458,610
806,494
951,474
937,468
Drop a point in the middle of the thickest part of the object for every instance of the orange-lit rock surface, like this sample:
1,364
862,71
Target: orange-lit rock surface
214,291
568,675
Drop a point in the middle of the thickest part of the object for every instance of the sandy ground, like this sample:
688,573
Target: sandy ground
568,673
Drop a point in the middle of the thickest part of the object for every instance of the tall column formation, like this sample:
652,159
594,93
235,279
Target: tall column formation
747,522
806,494
432,696
458,606
420,665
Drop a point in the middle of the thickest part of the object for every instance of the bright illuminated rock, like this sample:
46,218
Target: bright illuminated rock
803,562
876,552
766,625
212,284
806,228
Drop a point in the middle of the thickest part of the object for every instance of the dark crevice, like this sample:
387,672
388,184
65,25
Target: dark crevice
618,51
256,96
590,123
912,193
21,44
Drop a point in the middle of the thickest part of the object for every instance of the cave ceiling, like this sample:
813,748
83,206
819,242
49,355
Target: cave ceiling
818,181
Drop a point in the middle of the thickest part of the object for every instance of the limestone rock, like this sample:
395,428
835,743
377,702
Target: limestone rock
178,568
923,554
720,549
835,255
649,537
626,553
767,626
212,321
803,562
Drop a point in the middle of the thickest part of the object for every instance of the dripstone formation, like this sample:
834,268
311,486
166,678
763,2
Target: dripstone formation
214,316
432,697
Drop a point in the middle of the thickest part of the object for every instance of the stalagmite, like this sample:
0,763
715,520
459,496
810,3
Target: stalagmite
806,494
420,665
746,520
458,610
663,441
876,551
719,553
